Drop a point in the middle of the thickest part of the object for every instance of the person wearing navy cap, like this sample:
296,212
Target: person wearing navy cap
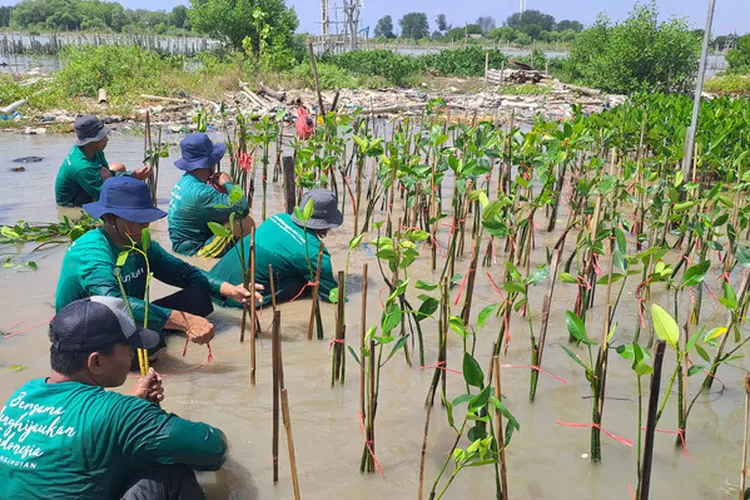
90,264
202,196
65,436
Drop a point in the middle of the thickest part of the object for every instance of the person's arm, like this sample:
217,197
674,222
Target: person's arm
178,273
149,435
97,277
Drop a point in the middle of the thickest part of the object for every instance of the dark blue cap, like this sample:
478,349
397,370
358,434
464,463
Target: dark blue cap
127,198
199,152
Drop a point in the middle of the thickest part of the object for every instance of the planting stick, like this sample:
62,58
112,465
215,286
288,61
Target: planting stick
339,364
245,283
275,346
743,476
314,65
420,496
315,312
653,403
253,316
363,332
290,442
289,198
499,433
273,286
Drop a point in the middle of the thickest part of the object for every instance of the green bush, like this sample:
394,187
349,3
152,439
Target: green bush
120,70
637,55
729,85
739,58
396,68
464,62
330,76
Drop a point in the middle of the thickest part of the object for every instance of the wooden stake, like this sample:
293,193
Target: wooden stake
290,442
253,316
499,435
315,292
275,346
289,186
273,286
653,403
743,477
314,65
363,332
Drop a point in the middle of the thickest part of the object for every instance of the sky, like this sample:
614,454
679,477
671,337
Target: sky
731,15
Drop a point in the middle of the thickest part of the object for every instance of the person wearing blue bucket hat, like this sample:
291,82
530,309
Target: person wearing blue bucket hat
83,171
90,267
202,196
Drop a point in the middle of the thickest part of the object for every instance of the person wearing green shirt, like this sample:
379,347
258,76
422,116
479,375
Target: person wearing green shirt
83,171
65,436
291,247
201,196
90,265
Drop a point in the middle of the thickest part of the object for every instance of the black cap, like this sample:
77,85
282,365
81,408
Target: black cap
95,323
90,129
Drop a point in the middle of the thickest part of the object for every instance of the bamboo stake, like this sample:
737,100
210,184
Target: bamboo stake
363,323
743,477
315,292
275,346
653,403
317,83
499,433
273,286
338,346
253,315
290,442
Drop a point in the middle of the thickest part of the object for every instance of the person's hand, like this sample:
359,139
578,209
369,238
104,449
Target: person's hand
142,173
199,330
223,178
242,294
150,387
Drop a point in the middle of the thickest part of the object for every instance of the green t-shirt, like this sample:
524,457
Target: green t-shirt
88,269
287,246
76,441
79,179
192,205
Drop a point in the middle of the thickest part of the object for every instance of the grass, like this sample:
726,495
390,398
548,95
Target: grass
525,89
729,85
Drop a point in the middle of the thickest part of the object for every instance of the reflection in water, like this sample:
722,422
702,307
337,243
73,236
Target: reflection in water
544,459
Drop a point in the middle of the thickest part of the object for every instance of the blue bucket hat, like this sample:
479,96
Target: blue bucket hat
199,152
127,198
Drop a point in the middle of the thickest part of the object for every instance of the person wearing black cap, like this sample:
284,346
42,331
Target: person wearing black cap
288,244
201,196
64,436
90,264
83,171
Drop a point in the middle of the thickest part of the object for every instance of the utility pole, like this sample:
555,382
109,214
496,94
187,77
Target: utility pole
522,6
687,161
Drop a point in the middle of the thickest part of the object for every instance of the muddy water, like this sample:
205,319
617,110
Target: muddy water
544,459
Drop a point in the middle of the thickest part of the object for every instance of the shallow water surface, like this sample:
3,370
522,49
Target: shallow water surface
544,458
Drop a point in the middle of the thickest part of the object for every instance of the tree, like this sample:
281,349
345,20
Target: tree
523,21
739,58
442,23
504,34
5,16
487,23
179,17
460,33
414,26
385,27
569,25
233,21
637,55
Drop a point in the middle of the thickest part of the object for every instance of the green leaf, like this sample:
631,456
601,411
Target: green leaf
399,291
514,287
685,205
604,280
457,325
568,278
642,369
424,285
219,230
355,242
476,433
333,296
575,357
392,320
16,368
473,374
463,398
308,211
665,326
695,369
621,242
354,354
145,239
480,400
235,194
730,297
715,333
122,258
32,265
428,308
418,235
448,410
695,274
484,314
692,341
299,215
702,353
539,275
399,344
577,328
